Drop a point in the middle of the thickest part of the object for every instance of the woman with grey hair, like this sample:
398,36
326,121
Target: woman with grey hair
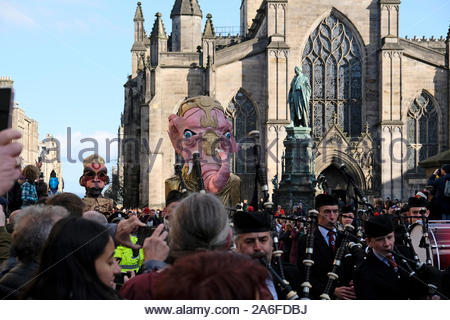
199,223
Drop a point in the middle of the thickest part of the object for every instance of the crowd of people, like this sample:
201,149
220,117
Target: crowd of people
53,247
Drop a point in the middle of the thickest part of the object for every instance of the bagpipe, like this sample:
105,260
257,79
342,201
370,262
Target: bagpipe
308,262
338,260
427,275
427,243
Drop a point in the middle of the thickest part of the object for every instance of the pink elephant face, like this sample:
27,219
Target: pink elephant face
207,132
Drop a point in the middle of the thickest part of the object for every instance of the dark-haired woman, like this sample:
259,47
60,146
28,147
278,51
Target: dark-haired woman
77,263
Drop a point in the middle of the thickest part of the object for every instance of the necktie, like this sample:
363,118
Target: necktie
331,241
391,261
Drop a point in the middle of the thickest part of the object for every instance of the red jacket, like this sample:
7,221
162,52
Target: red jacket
140,287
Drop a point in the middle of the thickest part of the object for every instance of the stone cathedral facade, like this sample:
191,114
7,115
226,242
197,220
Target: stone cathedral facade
380,103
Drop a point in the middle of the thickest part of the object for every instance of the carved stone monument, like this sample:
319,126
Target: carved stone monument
298,175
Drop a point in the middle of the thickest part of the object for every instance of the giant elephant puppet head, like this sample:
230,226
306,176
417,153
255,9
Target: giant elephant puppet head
201,126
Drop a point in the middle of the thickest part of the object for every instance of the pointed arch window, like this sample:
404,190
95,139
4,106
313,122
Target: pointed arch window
332,61
244,118
422,130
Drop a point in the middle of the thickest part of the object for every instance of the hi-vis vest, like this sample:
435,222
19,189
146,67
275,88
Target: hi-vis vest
128,262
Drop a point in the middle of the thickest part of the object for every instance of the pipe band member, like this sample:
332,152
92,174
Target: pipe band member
326,242
253,237
380,275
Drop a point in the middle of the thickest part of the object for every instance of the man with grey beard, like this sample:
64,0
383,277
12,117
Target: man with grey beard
30,234
252,232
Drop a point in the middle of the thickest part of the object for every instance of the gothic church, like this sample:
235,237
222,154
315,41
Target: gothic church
380,103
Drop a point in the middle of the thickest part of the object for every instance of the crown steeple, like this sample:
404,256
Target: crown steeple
186,8
186,26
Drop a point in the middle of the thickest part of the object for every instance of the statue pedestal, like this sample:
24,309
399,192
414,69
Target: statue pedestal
298,175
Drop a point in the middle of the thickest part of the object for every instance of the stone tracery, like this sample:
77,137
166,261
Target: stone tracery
422,130
243,114
332,60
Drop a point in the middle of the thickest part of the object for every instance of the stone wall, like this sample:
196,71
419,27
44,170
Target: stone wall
30,135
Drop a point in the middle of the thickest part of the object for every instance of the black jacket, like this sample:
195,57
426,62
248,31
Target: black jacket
14,198
374,280
292,275
323,257
13,283
439,183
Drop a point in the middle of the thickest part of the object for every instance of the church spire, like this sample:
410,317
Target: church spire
139,32
186,8
158,40
138,16
158,30
140,40
209,32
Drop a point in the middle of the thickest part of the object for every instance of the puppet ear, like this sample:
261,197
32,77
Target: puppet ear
173,133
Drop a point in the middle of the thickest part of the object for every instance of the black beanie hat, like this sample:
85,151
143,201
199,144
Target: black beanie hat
174,196
325,200
248,222
414,202
378,226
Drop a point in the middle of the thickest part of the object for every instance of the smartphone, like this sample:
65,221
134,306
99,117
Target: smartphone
6,107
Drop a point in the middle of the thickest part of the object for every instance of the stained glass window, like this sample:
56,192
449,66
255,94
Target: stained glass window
422,130
244,117
332,61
